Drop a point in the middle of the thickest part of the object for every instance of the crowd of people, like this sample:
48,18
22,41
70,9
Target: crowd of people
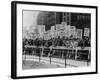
56,42
69,43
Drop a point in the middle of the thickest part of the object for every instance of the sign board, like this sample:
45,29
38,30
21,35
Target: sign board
67,30
56,34
64,23
49,34
27,34
86,32
60,27
52,28
33,36
72,30
79,33
41,28
45,35
52,34
61,33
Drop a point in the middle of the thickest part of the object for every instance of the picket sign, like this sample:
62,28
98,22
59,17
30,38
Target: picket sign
86,32
79,33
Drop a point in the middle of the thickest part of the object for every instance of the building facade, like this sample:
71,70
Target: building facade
79,20
49,19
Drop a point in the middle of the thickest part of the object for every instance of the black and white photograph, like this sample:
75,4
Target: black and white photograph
54,39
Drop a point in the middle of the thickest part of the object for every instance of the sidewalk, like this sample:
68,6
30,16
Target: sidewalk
57,61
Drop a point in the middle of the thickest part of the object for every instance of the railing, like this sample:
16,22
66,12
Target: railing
64,51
